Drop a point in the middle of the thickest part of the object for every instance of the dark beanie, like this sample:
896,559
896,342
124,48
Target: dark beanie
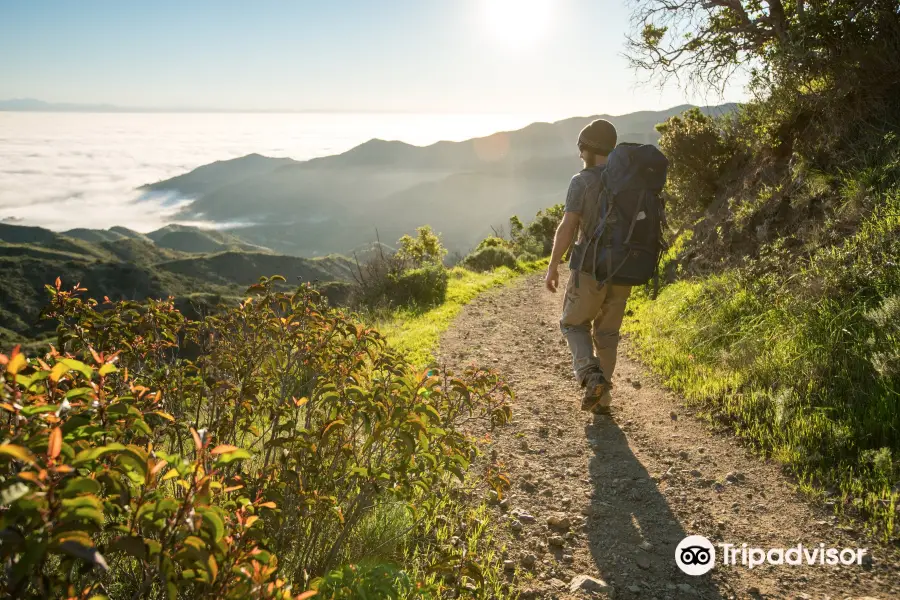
599,136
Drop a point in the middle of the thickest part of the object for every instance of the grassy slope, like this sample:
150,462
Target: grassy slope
416,333
801,363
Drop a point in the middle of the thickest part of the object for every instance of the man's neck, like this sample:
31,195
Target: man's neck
600,161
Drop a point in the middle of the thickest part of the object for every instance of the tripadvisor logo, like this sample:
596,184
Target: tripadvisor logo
696,555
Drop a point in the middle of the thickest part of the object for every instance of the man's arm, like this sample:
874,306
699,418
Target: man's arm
565,233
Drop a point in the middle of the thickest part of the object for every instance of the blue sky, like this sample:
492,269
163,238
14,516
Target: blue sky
553,57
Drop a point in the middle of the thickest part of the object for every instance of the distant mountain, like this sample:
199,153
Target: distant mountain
335,203
32,105
123,264
194,240
219,174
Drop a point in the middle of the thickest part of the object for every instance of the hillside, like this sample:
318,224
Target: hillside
122,264
334,203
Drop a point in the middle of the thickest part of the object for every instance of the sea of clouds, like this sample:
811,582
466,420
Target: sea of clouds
65,170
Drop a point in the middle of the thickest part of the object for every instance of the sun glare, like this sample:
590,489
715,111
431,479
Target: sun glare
517,23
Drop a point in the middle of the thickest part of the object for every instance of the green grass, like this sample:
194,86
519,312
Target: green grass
801,358
416,333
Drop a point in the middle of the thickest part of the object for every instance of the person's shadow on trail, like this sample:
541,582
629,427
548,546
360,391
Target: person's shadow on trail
631,530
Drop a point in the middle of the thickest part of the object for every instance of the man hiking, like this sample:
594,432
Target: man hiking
613,204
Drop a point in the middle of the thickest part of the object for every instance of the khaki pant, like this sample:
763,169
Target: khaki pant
591,319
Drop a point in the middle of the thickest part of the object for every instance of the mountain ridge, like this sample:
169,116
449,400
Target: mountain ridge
296,207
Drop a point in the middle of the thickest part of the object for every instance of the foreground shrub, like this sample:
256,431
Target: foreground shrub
489,258
232,457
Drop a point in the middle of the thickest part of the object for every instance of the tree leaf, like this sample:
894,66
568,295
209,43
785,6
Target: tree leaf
16,363
81,485
107,369
198,444
223,449
55,444
95,453
58,370
85,553
213,522
77,365
239,454
17,452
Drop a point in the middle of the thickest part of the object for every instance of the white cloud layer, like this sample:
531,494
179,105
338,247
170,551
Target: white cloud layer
65,170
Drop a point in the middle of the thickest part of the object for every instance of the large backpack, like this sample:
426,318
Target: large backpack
627,242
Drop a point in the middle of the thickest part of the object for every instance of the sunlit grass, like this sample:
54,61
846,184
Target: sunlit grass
802,366
416,333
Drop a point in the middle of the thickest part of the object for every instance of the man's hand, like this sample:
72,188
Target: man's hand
552,278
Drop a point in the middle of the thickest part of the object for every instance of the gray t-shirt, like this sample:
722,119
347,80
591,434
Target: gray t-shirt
583,198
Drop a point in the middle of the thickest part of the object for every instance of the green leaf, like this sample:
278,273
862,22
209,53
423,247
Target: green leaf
86,500
107,369
239,454
77,365
30,411
17,452
408,441
83,508
85,553
81,485
79,392
213,523
159,509
95,453
135,458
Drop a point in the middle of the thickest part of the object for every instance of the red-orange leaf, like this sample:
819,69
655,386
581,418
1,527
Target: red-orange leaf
196,437
306,595
55,444
224,449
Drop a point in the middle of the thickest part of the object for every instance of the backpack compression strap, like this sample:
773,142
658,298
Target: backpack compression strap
598,231
609,272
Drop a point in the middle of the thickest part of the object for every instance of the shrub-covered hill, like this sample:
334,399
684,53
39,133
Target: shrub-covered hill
124,267
782,317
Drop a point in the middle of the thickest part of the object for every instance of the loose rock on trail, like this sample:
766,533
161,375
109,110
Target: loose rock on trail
599,504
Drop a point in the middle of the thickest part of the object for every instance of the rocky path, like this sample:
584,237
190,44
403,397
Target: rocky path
599,504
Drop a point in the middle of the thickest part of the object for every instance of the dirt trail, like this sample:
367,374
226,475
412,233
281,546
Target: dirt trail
634,485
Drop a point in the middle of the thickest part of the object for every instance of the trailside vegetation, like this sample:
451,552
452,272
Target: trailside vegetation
412,277
274,449
781,313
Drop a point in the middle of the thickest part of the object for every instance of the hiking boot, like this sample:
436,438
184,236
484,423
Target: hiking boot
596,394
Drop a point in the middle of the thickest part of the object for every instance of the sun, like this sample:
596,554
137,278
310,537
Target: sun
517,23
